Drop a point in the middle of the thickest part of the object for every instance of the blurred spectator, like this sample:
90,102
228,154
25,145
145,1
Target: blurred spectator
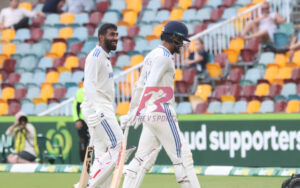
80,123
16,18
197,59
264,26
26,148
78,6
294,46
51,6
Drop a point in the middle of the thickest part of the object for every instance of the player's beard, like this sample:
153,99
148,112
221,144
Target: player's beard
108,44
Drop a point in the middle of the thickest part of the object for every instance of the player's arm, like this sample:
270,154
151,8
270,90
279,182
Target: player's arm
90,80
128,119
258,19
32,14
137,93
11,130
160,66
197,59
279,19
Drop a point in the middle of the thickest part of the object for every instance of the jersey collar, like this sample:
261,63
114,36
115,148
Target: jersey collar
107,55
161,46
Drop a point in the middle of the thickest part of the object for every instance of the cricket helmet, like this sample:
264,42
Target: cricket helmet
177,28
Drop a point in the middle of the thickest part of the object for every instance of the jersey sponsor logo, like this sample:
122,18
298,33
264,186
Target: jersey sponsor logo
147,73
65,141
96,52
148,61
110,75
157,96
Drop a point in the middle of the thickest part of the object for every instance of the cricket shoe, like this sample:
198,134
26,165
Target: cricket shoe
76,185
128,153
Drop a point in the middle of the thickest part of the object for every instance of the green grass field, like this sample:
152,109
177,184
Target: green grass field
60,180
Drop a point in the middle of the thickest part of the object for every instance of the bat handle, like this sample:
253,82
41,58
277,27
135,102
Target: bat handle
126,132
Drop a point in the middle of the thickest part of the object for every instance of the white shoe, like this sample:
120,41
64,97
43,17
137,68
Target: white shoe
76,185
128,152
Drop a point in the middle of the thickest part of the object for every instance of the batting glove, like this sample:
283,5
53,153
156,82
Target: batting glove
138,121
130,119
96,118
124,121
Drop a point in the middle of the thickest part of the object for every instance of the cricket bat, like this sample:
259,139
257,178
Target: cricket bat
84,177
117,174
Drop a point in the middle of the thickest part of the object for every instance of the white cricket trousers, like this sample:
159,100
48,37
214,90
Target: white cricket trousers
106,137
163,130
107,134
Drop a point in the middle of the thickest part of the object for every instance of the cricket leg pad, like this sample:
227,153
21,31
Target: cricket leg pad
103,167
137,168
107,183
185,172
76,185
131,173
129,151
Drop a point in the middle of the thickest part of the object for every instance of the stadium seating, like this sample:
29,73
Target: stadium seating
184,85
7,93
240,107
8,34
57,50
214,70
52,19
214,107
280,106
22,34
204,91
201,108
67,18
293,106
253,106
267,106
8,49
262,89
3,108
184,108
25,5
123,108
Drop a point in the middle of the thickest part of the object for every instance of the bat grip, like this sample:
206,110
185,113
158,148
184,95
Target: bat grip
126,132
91,143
